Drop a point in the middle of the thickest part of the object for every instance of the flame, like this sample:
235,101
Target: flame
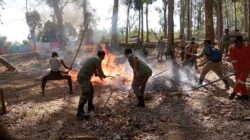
110,68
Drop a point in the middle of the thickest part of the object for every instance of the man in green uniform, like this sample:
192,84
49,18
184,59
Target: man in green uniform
225,42
90,67
141,74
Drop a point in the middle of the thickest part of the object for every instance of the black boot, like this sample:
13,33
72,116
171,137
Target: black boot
91,107
80,113
200,82
231,96
141,102
241,97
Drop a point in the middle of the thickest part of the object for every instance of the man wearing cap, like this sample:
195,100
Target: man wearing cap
239,55
90,67
141,74
211,65
225,42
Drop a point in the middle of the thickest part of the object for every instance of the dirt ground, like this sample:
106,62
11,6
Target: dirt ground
171,113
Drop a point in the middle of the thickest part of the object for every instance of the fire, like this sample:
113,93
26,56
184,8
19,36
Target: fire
110,68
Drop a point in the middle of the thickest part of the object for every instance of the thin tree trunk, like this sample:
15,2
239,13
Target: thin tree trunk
227,15
170,42
248,22
114,36
128,10
246,12
219,20
189,18
139,28
182,17
165,28
209,20
147,38
142,32
235,16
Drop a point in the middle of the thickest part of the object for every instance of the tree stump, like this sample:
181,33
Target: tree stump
3,107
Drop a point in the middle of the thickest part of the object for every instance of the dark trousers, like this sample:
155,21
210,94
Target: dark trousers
56,76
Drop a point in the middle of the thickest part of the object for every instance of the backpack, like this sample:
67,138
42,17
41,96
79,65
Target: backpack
215,54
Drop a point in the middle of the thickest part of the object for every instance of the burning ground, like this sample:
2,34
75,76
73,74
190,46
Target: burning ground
171,113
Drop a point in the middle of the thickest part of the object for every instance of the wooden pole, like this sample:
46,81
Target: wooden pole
2,102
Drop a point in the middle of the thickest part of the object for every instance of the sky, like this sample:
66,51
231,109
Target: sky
15,28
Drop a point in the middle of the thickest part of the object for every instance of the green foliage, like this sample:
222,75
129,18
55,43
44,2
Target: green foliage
3,42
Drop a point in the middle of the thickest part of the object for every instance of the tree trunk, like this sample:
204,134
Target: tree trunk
114,36
189,18
170,42
128,10
139,24
219,20
248,22
165,28
147,37
209,20
58,13
235,17
227,15
182,17
9,66
246,12
142,32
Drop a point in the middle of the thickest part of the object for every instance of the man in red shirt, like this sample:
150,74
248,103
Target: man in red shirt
239,55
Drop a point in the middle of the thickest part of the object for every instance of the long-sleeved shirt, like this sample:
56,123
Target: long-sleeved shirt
205,52
90,67
138,66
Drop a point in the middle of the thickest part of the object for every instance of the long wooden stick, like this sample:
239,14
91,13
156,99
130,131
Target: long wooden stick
220,79
80,44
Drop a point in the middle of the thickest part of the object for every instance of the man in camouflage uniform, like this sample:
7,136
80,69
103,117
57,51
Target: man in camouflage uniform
225,42
190,51
90,67
141,74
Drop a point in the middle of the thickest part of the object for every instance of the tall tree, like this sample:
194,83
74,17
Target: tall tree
248,22
182,16
114,34
164,9
219,27
128,3
189,19
142,23
33,20
209,29
138,4
170,42
246,12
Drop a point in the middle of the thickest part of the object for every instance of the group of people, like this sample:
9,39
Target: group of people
238,53
92,67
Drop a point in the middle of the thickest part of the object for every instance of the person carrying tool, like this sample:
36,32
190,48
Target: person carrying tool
190,52
90,67
239,55
214,57
55,72
160,47
225,42
142,72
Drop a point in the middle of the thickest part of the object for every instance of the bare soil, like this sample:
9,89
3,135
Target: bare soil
171,113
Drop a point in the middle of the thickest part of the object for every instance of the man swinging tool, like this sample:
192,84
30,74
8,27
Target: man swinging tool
90,67
55,72
141,74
